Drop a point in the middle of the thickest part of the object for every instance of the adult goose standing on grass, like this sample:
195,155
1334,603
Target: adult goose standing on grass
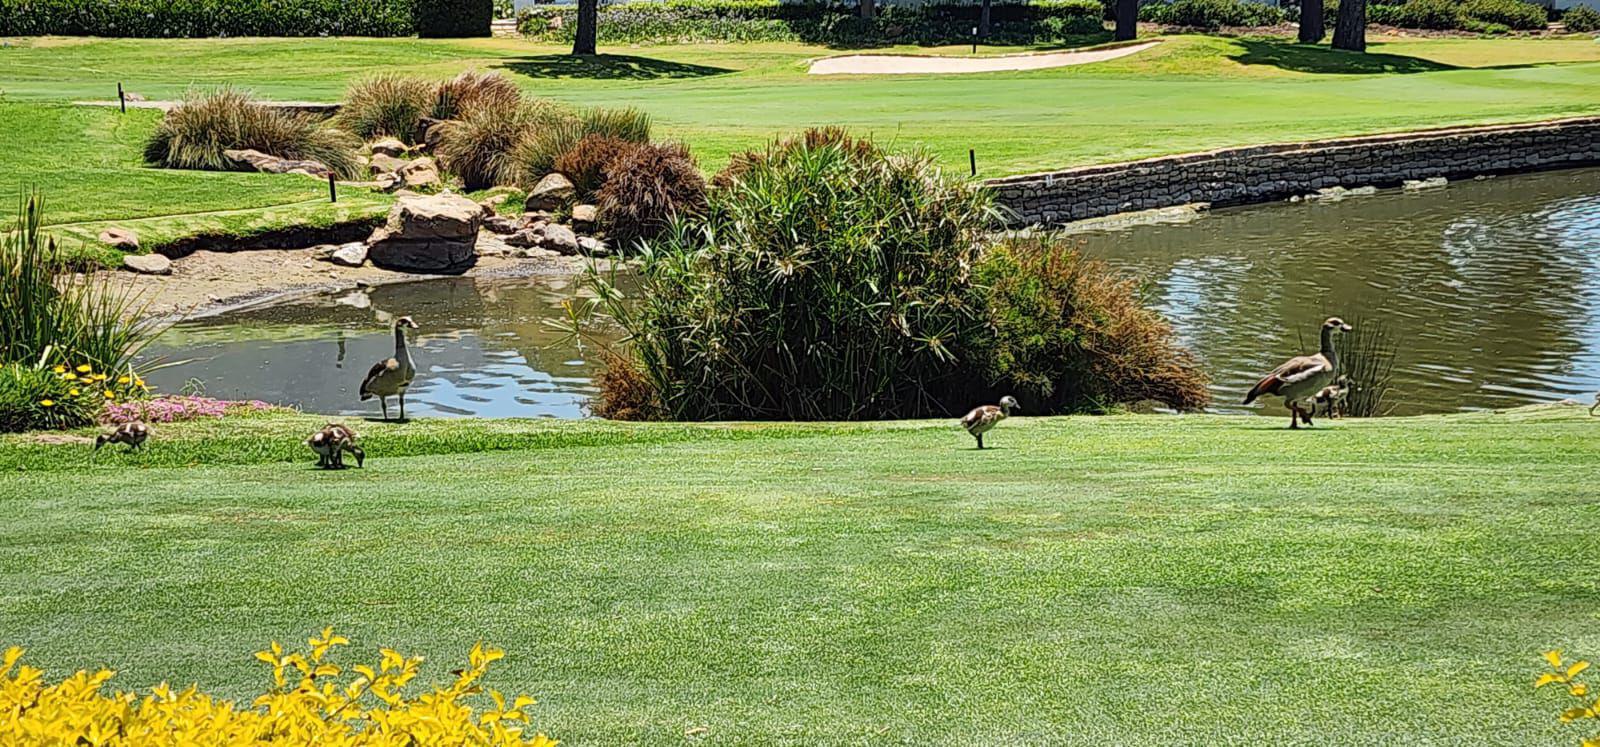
985,417
390,377
1302,377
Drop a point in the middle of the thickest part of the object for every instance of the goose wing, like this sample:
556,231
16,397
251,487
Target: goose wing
378,370
1293,371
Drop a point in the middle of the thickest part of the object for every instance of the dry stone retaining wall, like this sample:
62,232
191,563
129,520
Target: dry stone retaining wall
1235,176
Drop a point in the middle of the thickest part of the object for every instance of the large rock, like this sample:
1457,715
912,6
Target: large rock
389,146
255,160
422,174
382,163
584,217
559,238
553,192
427,233
120,238
353,254
147,264
502,224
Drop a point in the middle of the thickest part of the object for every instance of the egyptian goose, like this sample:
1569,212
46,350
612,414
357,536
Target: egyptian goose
1301,377
985,417
1332,398
1596,403
390,377
133,434
331,443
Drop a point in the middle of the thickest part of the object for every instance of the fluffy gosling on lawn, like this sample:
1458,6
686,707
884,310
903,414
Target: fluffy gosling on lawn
985,417
331,443
133,434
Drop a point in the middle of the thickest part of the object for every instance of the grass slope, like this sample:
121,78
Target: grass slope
1115,580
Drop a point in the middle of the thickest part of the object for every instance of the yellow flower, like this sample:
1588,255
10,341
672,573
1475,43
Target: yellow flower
60,369
73,392
47,402
69,376
123,379
99,377
85,368
110,394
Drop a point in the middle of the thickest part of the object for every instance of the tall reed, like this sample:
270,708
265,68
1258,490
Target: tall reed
1366,356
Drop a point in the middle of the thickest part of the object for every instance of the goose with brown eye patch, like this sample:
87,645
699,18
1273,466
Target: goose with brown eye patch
1302,377
1596,403
392,376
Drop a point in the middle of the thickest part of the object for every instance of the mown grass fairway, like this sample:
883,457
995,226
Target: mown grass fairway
1191,93
1116,580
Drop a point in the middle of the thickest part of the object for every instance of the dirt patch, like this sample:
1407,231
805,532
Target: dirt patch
57,439
206,282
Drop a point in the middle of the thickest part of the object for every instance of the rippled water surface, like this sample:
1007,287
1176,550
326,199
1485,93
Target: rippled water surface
1492,288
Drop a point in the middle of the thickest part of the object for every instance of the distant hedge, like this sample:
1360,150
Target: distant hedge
818,23
206,18
453,19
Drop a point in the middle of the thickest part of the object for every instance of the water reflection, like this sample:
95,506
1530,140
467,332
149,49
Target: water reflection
486,348
1492,286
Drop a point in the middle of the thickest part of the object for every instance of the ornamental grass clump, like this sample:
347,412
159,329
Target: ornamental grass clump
557,129
478,146
312,700
195,134
645,188
472,89
586,163
387,105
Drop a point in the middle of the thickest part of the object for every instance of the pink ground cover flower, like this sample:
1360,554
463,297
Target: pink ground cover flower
176,407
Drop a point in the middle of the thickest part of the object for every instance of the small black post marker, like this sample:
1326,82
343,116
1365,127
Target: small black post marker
333,192
974,39
122,98
972,158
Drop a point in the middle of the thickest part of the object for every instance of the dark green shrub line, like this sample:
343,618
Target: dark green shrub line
1211,14
452,19
820,23
1479,16
1581,18
206,18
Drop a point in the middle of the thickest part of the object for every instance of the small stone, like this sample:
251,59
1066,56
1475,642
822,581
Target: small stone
553,192
389,146
147,264
1412,185
120,238
421,174
323,252
584,216
382,163
535,216
502,225
353,254
387,182
593,246
526,237
559,238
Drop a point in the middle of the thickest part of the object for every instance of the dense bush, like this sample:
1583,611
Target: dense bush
195,134
1069,334
39,398
471,89
205,18
1582,18
587,161
1211,14
311,700
556,129
452,19
385,104
1488,16
1515,14
645,188
819,22
478,145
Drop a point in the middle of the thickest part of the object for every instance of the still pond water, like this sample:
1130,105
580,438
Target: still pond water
1492,289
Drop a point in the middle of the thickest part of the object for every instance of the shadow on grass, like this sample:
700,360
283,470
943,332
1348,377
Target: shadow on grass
1309,59
607,67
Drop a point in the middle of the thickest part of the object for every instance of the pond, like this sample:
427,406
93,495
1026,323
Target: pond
1491,288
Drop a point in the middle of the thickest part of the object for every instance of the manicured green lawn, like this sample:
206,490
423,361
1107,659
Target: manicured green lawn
1193,92
1116,580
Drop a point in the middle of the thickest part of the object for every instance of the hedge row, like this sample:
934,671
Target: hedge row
818,23
211,18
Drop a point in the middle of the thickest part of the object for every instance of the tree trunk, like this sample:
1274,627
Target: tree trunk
983,20
1127,19
869,9
1312,28
588,17
1351,30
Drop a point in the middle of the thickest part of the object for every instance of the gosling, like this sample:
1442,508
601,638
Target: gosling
1331,400
331,443
985,417
133,434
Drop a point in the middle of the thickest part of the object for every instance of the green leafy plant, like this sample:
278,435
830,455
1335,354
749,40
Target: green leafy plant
1366,356
1581,18
1211,14
195,134
205,18
645,188
37,398
1566,675
387,105
1512,14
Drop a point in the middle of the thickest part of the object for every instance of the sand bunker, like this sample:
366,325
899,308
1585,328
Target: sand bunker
904,64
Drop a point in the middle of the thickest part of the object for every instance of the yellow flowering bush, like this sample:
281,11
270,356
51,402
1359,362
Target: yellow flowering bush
1565,674
312,702
63,396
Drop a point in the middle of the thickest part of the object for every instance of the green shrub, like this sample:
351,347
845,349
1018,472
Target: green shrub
205,18
1581,18
1430,14
645,188
471,89
828,281
478,146
587,161
1514,14
819,23
556,129
504,9
1211,14
625,123
50,316
384,104
452,19
195,134
1069,334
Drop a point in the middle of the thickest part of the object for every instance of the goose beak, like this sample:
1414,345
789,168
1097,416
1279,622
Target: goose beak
1347,328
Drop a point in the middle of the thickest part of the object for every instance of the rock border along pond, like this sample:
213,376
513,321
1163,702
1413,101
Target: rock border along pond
1253,174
